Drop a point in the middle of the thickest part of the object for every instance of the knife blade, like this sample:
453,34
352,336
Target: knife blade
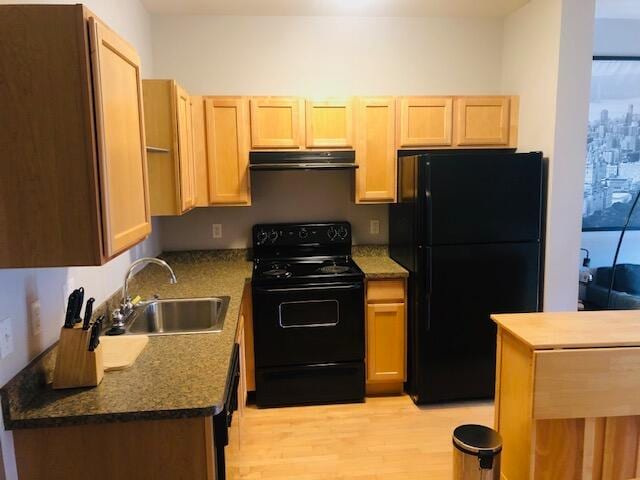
88,311
78,310
71,305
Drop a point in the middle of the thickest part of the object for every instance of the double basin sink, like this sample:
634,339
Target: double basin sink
178,316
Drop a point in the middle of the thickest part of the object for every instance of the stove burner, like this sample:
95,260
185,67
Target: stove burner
335,269
277,270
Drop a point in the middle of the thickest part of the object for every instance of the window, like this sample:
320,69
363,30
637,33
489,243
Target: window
612,173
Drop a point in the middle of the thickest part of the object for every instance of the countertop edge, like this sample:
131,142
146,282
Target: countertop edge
559,325
80,420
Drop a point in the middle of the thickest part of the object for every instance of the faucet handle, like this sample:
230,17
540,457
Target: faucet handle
117,317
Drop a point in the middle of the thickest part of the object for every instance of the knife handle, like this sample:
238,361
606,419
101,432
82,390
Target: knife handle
88,311
71,305
94,339
79,304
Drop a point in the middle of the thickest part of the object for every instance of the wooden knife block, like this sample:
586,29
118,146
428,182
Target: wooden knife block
76,366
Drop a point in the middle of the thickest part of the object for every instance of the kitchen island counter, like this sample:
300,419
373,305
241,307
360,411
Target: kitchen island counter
567,389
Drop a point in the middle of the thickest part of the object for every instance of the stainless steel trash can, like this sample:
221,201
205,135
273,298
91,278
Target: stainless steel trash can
476,453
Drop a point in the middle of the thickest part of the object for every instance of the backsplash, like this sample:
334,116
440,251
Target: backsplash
295,196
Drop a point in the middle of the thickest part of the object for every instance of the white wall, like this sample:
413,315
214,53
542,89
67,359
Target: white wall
547,61
19,287
316,56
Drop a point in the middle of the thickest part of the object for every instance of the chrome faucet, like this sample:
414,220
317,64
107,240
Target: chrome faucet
120,315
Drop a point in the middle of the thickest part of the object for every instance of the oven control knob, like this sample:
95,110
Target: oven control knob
303,234
332,233
262,236
273,236
342,233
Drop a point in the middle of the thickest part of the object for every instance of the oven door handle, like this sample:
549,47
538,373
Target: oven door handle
325,288
309,325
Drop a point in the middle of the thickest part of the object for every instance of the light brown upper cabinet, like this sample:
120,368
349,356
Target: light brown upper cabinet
121,140
329,123
277,122
167,111
227,120
486,121
73,180
185,146
424,121
375,150
200,151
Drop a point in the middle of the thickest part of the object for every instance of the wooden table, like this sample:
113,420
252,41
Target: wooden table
568,395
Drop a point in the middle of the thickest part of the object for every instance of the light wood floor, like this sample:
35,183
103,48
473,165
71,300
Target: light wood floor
385,438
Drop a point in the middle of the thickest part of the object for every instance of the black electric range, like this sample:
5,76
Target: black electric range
308,315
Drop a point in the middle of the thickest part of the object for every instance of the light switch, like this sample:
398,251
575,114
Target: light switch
35,317
6,338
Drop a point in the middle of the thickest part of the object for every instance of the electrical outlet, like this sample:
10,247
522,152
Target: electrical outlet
6,338
217,230
374,227
35,317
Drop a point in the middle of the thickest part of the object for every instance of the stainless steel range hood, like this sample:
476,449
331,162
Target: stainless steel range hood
305,160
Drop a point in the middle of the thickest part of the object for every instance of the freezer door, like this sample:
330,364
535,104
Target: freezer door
456,338
481,197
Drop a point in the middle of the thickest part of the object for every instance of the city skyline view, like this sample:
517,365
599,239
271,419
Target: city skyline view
612,171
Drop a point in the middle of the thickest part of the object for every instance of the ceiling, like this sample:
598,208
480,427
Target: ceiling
365,8
618,9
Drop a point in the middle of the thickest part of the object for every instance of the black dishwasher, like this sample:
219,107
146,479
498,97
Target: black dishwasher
222,420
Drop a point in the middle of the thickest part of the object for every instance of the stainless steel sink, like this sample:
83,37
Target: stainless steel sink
179,316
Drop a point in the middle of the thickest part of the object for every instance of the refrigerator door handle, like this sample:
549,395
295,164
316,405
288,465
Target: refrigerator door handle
428,284
428,203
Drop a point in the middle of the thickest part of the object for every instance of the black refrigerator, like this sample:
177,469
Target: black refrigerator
469,227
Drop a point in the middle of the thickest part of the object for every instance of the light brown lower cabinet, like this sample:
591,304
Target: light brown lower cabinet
146,450
249,358
244,338
568,413
386,336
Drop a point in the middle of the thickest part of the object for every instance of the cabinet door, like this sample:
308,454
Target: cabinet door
375,150
185,147
385,342
121,142
482,121
424,121
228,150
199,152
276,122
329,124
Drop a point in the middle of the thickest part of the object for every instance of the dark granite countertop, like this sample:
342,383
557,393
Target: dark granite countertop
375,262
175,376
